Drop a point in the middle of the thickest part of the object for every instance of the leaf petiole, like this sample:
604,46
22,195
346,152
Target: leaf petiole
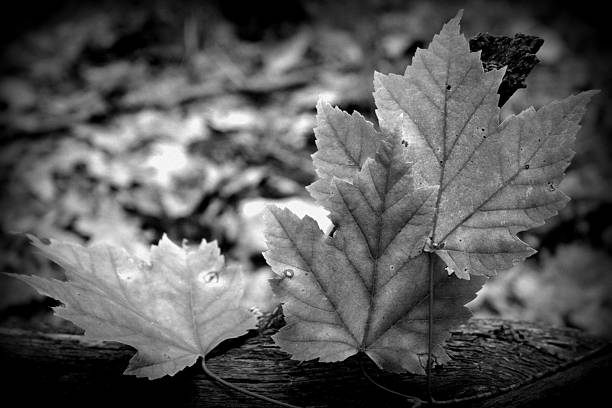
417,402
430,325
220,380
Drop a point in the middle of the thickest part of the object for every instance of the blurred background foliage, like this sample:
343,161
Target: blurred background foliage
124,120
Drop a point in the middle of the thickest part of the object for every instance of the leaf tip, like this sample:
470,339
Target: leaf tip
323,105
454,22
459,15
588,95
165,242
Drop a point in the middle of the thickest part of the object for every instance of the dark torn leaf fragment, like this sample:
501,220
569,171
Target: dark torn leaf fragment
516,53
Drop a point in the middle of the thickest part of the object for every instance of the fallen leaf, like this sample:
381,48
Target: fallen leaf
447,179
366,288
173,310
496,179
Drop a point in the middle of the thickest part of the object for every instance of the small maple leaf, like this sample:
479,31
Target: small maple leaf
367,287
172,310
494,179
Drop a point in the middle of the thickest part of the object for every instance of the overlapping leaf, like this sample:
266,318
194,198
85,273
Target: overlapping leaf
172,310
478,183
344,142
367,287
494,179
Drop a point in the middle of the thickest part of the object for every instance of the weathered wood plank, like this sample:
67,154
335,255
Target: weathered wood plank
488,355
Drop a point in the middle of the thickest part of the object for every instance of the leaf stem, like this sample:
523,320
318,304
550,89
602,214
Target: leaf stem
430,327
415,400
220,380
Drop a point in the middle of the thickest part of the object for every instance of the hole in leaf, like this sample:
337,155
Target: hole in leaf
288,273
211,277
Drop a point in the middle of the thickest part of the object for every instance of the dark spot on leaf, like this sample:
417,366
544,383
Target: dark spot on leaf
526,167
482,129
45,241
448,87
211,277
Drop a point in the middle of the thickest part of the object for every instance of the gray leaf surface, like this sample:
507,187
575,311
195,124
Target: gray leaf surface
495,179
173,310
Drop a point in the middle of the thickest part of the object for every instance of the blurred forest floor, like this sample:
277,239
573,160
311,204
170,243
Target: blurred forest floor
122,121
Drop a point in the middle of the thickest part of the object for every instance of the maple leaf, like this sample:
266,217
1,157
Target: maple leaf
344,142
172,310
494,179
366,289
447,177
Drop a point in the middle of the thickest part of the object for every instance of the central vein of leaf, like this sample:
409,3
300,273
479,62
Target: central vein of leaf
444,158
376,254
317,281
507,182
194,324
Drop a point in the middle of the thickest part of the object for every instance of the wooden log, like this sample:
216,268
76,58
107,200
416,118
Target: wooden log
507,363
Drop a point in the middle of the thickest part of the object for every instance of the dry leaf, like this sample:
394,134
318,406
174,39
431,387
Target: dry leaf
495,179
367,287
173,310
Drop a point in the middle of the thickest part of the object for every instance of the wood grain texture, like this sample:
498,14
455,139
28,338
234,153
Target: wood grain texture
544,365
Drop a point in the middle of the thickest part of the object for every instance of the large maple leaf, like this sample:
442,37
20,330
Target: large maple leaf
494,179
172,310
366,289
473,185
